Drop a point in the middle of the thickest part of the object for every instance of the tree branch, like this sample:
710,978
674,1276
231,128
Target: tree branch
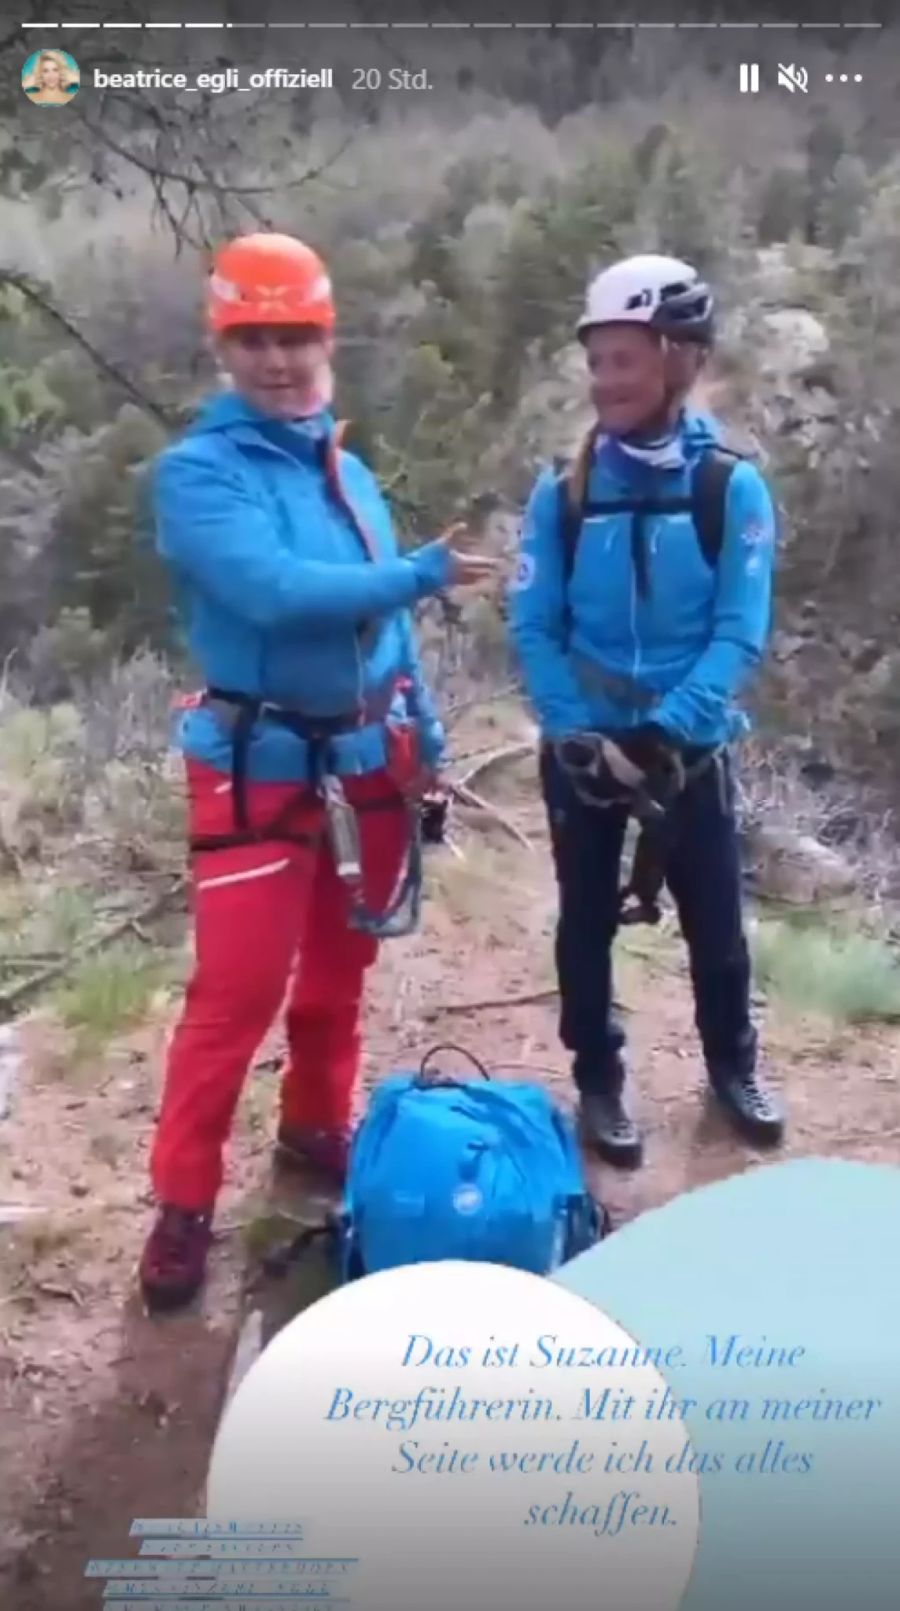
492,1004
14,998
509,752
194,183
474,802
25,286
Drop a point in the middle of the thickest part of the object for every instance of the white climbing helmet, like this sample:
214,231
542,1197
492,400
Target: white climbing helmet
661,292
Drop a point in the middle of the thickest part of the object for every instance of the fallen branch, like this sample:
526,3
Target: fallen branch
530,998
527,1000
12,1000
509,752
463,706
531,1068
29,959
52,1289
466,797
473,755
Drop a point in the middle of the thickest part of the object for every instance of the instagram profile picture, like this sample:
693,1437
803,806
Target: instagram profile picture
51,78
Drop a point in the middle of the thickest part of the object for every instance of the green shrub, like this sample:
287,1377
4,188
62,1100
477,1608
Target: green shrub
847,977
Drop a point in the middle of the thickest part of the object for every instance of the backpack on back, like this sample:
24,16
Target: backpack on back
705,503
466,1170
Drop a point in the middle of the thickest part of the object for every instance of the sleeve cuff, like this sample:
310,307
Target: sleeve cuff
433,742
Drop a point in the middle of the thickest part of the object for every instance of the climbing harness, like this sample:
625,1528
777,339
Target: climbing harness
341,825
595,769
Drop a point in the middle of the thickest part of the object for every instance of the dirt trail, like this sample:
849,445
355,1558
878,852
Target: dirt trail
105,1415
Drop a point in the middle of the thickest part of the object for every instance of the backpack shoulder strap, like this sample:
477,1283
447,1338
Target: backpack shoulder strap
569,518
708,502
710,491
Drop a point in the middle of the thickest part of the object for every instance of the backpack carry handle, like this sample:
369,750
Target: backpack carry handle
423,1079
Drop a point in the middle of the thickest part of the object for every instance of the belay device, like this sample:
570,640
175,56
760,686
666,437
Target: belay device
444,1167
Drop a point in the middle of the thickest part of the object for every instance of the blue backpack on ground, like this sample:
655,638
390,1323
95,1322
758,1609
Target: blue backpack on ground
449,1168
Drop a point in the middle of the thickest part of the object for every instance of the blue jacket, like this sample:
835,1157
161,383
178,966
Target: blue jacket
691,644
275,583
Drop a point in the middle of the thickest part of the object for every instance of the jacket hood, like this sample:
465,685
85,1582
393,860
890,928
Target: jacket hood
228,411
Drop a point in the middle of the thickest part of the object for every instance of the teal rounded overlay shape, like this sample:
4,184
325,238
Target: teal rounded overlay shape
798,1254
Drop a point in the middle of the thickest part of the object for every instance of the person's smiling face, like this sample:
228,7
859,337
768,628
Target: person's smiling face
626,364
636,378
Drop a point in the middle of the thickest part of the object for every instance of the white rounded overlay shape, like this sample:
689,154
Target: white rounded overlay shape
414,1421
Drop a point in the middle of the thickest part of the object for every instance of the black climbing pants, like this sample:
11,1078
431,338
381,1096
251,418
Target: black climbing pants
703,875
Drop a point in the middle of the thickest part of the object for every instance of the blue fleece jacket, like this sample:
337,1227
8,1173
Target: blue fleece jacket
280,598
689,646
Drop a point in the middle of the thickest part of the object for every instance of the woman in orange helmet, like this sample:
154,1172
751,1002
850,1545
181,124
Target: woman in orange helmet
316,723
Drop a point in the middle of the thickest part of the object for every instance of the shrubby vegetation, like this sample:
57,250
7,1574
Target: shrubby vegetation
461,238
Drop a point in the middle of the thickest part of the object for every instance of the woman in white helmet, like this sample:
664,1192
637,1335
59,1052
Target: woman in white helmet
640,608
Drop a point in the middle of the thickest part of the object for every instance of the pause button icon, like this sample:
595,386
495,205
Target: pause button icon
749,78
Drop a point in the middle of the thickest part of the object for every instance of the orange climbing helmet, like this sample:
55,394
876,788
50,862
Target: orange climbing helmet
269,279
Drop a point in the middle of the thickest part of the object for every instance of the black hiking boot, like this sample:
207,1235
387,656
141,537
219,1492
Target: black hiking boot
607,1127
749,1105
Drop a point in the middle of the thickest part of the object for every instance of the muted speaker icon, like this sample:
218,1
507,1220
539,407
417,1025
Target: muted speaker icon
793,78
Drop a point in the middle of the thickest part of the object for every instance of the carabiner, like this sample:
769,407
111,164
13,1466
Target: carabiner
343,830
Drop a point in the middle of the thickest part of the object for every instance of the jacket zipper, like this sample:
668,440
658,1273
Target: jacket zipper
272,447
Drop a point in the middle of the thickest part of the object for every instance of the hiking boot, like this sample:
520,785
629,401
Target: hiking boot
320,1152
607,1126
173,1264
749,1105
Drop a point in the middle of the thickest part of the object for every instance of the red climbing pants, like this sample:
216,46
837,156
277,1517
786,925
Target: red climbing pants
271,926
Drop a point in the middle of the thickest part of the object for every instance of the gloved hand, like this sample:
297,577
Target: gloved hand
433,809
651,749
598,758
624,767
